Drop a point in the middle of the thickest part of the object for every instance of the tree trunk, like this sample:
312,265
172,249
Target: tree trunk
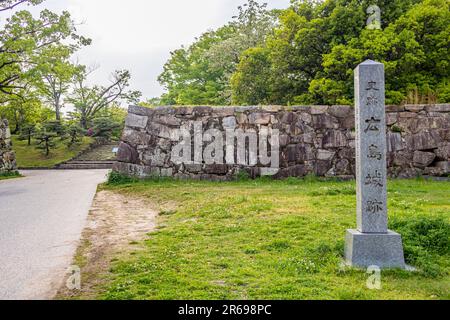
57,111
83,121
47,148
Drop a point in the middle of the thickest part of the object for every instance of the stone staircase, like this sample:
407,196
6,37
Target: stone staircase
85,165
100,157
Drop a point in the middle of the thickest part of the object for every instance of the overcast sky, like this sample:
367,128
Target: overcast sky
139,34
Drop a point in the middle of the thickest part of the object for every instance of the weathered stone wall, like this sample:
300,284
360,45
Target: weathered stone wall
7,157
317,140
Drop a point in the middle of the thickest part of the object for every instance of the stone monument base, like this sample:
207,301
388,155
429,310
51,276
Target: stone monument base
384,250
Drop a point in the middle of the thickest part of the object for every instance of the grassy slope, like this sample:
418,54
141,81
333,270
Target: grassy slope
269,240
32,157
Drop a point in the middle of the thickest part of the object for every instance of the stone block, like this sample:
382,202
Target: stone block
324,121
322,167
394,108
438,108
242,118
316,110
269,172
135,138
300,153
229,123
293,171
423,141
202,110
247,109
443,152
273,108
259,118
287,117
133,169
135,121
155,158
444,165
435,172
166,172
127,154
391,118
306,118
343,168
403,159
169,120
325,155
223,111
423,159
414,107
193,168
394,142
184,111
216,169
340,111
334,139
284,140
384,250
141,111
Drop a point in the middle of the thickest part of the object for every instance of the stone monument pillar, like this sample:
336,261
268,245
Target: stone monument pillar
372,244
7,156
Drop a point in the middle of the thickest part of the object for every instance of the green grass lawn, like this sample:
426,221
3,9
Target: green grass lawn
32,157
278,240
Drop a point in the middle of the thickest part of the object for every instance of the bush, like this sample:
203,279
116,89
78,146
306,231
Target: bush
45,141
27,133
106,128
116,178
426,240
55,127
9,174
74,134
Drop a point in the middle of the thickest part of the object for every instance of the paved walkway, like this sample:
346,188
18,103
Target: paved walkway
41,220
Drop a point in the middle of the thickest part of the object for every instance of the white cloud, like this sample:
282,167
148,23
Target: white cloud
139,34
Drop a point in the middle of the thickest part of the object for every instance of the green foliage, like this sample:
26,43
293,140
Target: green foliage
34,157
105,128
56,127
249,83
116,178
201,73
27,133
46,141
6,175
242,175
24,40
74,134
425,239
91,101
309,55
116,116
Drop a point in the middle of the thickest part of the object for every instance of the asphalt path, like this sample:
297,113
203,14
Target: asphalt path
41,220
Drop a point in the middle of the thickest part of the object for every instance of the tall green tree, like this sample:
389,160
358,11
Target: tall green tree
201,73
55,73
89,101
314,38
415,50
22,40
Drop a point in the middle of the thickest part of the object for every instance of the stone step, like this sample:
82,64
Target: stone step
89,162
85,165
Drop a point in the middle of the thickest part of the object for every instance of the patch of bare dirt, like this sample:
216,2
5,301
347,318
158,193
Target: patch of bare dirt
115,223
